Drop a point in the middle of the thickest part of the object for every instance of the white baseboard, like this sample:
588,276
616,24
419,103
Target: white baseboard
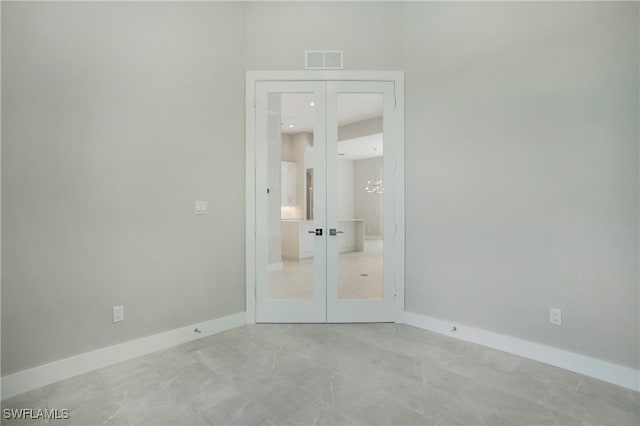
593,367
26,380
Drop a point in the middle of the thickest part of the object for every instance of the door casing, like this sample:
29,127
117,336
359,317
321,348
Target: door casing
252,77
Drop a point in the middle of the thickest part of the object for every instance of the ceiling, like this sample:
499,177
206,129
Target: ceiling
352,107
298,116
361,148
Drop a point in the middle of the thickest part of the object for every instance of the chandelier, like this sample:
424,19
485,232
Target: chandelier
374,186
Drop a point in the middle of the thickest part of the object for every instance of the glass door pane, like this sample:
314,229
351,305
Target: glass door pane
291,155
360,192
359,174
290,129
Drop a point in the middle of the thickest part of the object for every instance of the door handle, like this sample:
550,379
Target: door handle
318,232
333,232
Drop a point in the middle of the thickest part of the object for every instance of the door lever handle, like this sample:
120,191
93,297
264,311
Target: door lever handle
318,231
333,232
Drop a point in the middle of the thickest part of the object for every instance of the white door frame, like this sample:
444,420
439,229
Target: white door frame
283,310
252,77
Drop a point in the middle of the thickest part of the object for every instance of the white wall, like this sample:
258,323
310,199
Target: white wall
296,149
116,118
522,170
278,33
359,129
287,154
345,188
0,210
521,147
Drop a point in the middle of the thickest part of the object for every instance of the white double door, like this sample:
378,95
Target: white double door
324,201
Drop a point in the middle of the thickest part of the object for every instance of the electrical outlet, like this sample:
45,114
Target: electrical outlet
118,313
200,207
555,316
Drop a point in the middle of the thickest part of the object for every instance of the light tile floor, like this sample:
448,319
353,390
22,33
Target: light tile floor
360,275
330,374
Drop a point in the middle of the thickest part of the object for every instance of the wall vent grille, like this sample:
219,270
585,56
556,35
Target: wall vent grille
323,60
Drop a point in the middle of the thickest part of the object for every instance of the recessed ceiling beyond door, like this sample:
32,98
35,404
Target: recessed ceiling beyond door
361,148
297,110
297,116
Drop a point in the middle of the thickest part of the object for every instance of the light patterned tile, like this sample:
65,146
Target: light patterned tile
514,409
100,410
339,374
160,408
76,391
36,398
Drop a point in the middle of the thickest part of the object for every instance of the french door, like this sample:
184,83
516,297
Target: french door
324,201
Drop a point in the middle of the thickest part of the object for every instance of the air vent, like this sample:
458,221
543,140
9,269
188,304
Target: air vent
323,60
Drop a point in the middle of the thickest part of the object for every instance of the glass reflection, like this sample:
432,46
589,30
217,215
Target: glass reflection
360,196
290,205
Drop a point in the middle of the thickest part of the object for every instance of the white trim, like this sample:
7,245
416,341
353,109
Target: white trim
26,380
269,309
397,77
592,367
310,75
399,249
250,200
